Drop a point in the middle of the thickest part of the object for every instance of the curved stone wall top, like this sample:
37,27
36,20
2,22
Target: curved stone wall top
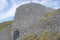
28,14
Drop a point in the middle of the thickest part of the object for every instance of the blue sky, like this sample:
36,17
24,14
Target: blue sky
8,7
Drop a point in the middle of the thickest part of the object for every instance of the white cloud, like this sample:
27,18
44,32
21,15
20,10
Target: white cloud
3,3
10,13
49,3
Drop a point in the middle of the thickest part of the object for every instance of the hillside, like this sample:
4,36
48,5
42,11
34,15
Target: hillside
4,24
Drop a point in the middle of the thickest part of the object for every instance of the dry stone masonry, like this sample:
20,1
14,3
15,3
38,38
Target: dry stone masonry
26,17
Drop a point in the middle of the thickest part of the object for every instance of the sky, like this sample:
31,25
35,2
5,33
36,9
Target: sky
8,7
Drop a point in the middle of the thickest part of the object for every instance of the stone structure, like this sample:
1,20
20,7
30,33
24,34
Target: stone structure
26,17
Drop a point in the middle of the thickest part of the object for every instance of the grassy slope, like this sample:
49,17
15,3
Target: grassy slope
4,24
45,35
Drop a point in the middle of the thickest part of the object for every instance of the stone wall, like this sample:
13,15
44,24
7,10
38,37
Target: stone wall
26,17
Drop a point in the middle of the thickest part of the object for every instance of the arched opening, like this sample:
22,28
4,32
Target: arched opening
58,38
16,35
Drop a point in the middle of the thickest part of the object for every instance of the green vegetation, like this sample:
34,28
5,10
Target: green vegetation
30,37
45,35
4,24
49,14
